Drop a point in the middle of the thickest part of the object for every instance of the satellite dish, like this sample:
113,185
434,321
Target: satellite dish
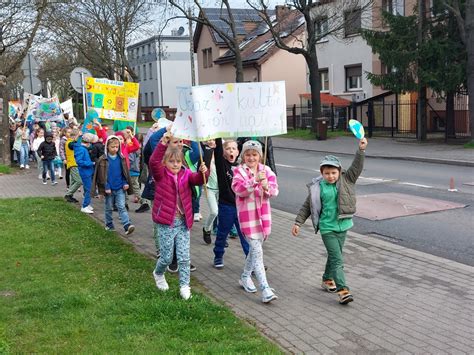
180,31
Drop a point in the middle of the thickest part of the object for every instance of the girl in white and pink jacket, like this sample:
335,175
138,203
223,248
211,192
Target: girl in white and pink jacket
254,184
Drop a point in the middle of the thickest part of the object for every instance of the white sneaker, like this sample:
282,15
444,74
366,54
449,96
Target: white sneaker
196,217
268,295
90,207
160,282
22,166
27,166
86,210
247,284
185,292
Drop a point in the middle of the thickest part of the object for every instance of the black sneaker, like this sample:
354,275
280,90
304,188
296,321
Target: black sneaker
173,268
192,267
143,208
126,206
206,236
74,200
129,228
69,198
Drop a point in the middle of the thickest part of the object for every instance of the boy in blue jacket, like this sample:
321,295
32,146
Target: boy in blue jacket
86,167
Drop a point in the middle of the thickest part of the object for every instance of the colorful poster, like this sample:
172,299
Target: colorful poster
230,110
44,109
66,106
113,100
14,109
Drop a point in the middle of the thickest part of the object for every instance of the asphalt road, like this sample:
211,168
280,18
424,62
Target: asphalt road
449,234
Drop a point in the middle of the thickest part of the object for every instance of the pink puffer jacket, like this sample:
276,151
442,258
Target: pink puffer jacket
165,202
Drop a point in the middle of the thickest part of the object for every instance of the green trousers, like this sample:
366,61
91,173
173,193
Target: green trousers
75,181
334,242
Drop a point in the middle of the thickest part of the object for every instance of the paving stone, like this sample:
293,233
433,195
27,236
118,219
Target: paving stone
306,319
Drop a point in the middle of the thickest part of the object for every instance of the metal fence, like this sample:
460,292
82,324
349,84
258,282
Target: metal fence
398,118
299,117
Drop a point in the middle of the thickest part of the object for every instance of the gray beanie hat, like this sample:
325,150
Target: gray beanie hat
330,160
89,138
252,145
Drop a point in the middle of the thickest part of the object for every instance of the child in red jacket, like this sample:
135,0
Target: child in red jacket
172,211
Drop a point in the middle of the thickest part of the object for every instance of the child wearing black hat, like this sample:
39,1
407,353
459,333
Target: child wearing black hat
331,204
47,152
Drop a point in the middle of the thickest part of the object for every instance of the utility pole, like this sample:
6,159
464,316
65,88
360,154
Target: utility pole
191,48
421,106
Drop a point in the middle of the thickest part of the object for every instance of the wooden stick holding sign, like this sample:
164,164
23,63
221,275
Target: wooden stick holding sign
265,152
203,173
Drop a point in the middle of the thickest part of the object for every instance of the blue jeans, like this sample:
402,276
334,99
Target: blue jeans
227,216
24,152
196,200
170,238
117,197
87,184
48,165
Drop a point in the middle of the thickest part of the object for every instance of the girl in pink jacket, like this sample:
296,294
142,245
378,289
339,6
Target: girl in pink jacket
172,211
254,184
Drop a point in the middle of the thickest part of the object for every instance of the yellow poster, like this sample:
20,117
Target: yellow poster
113,100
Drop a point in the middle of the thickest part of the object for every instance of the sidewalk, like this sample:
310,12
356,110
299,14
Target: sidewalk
386,148
405,301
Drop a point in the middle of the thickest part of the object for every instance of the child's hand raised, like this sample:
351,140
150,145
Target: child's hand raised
108,192
126,187
203,168
295,230
166,138
363,144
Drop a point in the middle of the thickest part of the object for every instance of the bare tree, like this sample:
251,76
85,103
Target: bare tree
97,32
19,23
463,11
322,18
229,35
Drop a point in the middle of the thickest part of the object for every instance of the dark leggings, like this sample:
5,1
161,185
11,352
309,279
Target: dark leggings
68,177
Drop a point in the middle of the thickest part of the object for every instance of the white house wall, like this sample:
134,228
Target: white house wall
335,53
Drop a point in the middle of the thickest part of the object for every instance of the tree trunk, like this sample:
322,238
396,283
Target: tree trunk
315,86
469,25
239,68
5,128
450,127
421,112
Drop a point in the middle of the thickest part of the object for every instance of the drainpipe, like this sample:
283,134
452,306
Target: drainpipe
258,70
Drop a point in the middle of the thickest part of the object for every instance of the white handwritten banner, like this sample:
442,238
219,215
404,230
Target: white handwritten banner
230,110
66,106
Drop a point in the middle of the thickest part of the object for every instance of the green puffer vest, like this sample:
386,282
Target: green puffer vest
346,202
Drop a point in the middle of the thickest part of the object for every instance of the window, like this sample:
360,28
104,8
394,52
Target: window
152,99
324,77
144,71
146,99
207,57
354,77
245,42
138,73
395,7
267,44
352,22
150,71
149,48
322,28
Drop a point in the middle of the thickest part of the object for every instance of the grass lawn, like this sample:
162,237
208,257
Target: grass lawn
68,286
306,134
4,169
469,145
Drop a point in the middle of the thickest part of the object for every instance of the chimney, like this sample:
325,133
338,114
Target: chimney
281,12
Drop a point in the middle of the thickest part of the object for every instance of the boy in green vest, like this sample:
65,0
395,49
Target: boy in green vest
331,203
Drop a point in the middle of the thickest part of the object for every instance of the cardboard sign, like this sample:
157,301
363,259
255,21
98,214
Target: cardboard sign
230,110
113,100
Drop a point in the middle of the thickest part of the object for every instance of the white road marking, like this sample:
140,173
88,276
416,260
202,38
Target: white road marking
374,179
417,185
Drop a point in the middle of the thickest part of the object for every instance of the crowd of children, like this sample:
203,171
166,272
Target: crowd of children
239,187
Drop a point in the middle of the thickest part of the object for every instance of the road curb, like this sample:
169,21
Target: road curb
409,158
